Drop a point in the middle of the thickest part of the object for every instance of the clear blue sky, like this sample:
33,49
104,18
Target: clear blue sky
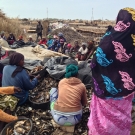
64,9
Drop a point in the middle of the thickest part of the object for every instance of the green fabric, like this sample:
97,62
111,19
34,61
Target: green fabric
71,70
8,101
2,32
49,36
52,106
68,124
93,55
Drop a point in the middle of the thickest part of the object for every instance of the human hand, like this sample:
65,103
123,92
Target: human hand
32,76
38,76
17,89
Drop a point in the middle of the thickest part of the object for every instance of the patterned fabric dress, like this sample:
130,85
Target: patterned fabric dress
113,72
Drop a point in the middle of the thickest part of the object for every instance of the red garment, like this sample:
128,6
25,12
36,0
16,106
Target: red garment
81,57
5,56
43,42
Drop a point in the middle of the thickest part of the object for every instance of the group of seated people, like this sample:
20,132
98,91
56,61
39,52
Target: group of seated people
12,41
55,43
59,44
16,83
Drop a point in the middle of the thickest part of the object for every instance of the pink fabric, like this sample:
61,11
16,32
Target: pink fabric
128,82
5,56
121,52
120,26
110,117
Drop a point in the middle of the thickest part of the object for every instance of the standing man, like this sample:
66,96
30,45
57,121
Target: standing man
39,30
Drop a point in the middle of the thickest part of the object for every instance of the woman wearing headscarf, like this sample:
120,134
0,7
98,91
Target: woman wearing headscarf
15,75
20,42
82,52
50,41
11,39
113,73
2,35
67,101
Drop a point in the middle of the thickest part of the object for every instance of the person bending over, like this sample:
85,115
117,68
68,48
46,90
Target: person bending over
68,99
15,75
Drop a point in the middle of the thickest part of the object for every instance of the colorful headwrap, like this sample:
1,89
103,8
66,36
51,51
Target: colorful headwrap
113,65
69,45
15,58
71,71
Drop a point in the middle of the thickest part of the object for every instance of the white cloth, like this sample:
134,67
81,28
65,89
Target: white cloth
82,51
3,43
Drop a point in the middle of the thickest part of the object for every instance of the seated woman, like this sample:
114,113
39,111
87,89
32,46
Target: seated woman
82,52
66,48
67,101
91,49
75,48
30,41
11,39
7,104
43,42
2,35
50,41
15,75
55,46
20,42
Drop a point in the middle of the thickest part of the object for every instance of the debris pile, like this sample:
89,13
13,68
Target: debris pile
70,35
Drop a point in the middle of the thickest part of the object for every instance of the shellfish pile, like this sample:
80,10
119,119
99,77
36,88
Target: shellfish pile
42,124
37,69
41,119
41,93
21,127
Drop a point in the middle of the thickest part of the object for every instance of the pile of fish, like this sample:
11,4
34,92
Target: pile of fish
21,127
41,93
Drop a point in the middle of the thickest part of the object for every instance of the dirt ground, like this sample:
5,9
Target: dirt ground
133,129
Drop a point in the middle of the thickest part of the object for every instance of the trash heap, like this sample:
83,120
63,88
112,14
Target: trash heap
70,35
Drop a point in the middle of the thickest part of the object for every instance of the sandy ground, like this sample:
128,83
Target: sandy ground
133,129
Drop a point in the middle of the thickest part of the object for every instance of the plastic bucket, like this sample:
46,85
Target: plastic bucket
44,106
